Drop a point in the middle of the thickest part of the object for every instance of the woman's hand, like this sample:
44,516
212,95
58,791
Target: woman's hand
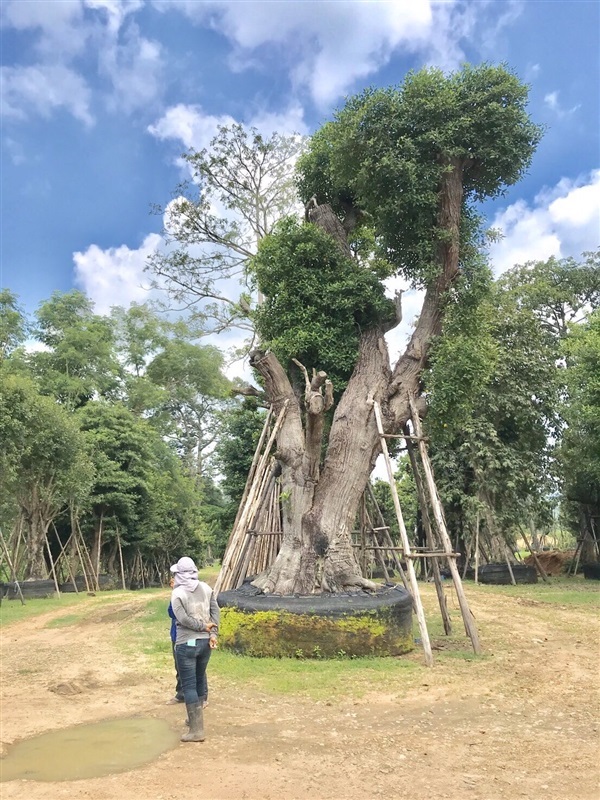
210,625
212,642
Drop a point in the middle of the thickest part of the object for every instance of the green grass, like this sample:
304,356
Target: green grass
558,591
319,679
148,633
13,610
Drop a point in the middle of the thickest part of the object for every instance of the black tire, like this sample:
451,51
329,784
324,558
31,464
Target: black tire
591,571
317,626
32,589
105,582
498,574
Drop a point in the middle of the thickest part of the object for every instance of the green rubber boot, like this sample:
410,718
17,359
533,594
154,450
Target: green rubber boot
196,721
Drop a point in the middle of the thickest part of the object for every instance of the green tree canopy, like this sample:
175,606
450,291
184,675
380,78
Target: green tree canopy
383,156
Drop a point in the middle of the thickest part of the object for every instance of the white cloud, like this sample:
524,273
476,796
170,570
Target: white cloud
15,150
58,24
553,103
115,276
328,48
43,89
188,124
103,32
134,66
562,221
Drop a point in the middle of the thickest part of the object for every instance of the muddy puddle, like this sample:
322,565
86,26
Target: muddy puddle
88,751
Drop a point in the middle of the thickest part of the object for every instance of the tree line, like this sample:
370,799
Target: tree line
111,423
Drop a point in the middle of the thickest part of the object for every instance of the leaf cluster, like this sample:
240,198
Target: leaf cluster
386,152
316,299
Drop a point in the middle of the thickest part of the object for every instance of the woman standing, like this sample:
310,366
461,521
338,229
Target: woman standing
197,619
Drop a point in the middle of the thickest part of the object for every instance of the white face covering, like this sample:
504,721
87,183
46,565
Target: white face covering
186,574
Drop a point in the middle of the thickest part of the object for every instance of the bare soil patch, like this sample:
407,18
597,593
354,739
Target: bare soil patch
521,722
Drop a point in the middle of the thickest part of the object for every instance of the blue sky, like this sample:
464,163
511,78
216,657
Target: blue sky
100,97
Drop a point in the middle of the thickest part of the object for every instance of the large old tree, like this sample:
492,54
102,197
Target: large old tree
389,188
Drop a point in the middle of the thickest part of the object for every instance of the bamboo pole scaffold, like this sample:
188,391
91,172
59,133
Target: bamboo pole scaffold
443,531
412,578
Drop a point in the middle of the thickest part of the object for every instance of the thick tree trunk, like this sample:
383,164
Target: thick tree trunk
320,507
35,536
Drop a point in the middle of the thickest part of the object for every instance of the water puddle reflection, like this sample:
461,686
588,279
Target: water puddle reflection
88,751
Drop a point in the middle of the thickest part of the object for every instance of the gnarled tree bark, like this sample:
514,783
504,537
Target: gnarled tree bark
320,505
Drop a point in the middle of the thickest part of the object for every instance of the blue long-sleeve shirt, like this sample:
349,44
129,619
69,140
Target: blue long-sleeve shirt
173,623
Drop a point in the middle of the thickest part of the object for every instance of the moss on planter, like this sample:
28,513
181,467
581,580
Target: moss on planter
278,633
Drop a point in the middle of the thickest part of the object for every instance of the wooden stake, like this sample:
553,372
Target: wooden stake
509,565
405,542
441,526
64,554
12,568
538,564
121,559
53,570
224,579
477,548
437,578
387,537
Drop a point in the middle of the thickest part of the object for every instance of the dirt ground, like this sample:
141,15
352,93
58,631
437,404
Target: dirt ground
519,723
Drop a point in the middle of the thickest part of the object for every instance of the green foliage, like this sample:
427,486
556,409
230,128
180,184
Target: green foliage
80,360
316,300
43,463
560,292
387,150
13,326
240,432
580,450
493,390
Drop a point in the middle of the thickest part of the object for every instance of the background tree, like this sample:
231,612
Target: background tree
13,325
43,463
241,185
79,361
493,417
580,449
238,439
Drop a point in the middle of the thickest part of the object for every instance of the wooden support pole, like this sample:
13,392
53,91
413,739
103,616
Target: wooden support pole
443,532
437,578
63,553
388,538
378,554
477,548
224,578
121,559
405,542
509,565
52,568
10,563
537,562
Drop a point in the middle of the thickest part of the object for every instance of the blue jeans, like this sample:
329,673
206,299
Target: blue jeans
178,689
192,661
